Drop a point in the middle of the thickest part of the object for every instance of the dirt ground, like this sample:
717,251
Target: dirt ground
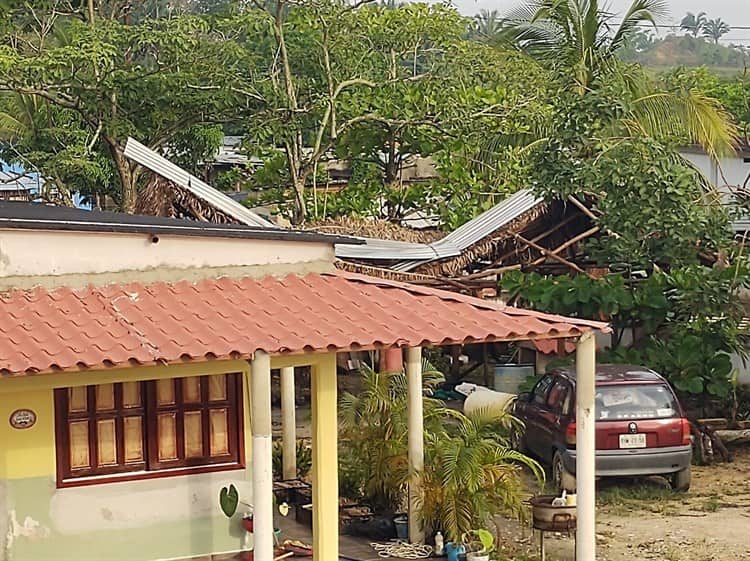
643,519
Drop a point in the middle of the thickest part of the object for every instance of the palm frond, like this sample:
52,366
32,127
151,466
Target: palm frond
640,11
10,127
698,118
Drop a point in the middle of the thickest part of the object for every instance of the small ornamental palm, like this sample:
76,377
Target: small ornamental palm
471,474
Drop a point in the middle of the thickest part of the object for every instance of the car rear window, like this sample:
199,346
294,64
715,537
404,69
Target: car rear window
652,401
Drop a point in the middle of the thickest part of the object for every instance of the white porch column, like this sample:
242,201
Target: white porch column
288,424
416,440
585,448
260,415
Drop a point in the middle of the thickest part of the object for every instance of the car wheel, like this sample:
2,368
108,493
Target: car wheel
517,440
561,477
680,481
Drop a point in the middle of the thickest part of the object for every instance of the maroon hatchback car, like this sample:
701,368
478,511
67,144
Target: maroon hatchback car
641,429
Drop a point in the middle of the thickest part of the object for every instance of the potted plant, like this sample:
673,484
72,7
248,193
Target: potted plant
479,544
229,501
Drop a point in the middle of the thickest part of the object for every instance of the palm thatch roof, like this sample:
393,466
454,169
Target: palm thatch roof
161,197
373,228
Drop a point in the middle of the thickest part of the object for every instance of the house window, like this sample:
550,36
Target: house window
144,429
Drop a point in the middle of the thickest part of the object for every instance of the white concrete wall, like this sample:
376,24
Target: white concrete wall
48,253
742,368
731,172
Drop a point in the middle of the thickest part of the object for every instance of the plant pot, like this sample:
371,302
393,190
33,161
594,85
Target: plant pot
453,551
473,556
401,522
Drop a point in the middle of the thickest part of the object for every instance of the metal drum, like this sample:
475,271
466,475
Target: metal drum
549,518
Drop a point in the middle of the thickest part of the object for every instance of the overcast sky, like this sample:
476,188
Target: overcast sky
734,12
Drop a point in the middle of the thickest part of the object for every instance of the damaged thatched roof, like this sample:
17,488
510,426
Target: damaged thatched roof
370,228
161,197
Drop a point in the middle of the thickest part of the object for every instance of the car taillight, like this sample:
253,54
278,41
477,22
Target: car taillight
570,434
686,433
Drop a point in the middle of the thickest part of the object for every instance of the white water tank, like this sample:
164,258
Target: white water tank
487,399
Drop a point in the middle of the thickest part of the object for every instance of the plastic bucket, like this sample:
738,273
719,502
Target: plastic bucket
401,522
453,550
509,377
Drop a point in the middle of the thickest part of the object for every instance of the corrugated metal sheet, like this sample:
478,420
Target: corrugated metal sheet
386,250
410,256
166,169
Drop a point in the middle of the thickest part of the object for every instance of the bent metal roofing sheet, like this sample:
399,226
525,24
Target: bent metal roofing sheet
166,169
409,256
120,325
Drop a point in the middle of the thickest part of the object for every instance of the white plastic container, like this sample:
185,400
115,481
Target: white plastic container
488,400
439,544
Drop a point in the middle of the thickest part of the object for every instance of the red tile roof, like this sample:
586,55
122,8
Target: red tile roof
549,346
124,324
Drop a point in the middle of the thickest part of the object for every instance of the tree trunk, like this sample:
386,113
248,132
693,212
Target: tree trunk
127,178
299,212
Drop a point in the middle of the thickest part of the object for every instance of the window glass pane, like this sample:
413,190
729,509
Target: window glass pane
165,392
77,399
193,434
191,390
133,439
105,397
106,442
541,389
131,394
217,388
79,445
557,396
167,441
652,401
219,432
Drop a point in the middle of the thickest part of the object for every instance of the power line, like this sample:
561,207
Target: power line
677,25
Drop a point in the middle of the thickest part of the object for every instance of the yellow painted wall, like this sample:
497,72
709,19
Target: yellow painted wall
27,452
28,474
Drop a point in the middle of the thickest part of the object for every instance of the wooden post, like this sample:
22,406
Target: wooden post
325,460
586,448
416,440
260,379
288,424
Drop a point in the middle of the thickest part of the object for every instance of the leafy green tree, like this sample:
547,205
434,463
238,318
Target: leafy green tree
715,29
685,322
693,24
152,81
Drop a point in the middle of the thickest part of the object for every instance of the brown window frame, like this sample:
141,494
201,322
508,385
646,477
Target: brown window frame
151,466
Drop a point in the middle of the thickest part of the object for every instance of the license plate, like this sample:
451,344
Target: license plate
633,440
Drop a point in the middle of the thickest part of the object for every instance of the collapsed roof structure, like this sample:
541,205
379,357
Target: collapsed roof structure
522,232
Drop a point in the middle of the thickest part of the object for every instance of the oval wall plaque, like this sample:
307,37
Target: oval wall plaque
22,419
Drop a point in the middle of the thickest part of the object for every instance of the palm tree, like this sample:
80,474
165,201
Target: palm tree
715,29
578,33
580,38
472,474
17,115
488,25
693,24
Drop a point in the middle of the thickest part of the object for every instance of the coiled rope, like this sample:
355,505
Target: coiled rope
402,550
